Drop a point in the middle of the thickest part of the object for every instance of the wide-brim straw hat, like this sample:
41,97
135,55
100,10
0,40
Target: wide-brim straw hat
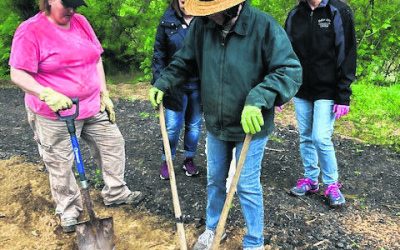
208,7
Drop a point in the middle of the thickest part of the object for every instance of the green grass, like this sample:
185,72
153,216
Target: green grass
374,115
124,77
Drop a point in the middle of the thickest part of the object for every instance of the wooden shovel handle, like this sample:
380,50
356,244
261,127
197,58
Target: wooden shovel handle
175,197
229,197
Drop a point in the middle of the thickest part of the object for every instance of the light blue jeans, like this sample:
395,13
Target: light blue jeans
249,189
315,121
191,115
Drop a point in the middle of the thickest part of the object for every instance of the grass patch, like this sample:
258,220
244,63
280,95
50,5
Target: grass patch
132,77
374,115
131,92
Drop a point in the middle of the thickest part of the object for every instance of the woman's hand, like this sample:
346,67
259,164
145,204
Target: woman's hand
107,105
55,100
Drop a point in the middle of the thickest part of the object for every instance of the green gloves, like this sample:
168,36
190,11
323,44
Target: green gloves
252,119
155,96
107,105
56,101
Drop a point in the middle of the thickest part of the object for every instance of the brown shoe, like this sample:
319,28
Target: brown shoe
69,224
133,199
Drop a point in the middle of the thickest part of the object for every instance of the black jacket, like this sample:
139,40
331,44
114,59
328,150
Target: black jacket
169,39
324,40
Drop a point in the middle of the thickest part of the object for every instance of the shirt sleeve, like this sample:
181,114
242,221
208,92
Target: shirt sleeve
183,63
159,61
25,53
346,55
87,28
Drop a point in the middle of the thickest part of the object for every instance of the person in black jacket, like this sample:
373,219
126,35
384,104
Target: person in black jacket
323,37
181,104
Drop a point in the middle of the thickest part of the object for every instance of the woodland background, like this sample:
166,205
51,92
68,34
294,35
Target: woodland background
126,29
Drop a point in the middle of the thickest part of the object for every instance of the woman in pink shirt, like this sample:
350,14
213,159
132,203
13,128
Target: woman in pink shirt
56,56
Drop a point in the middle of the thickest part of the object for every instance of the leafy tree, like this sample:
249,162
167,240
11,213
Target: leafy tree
11,13
126,29
378,31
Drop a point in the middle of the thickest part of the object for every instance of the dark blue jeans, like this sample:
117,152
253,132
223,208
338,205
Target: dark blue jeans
191,115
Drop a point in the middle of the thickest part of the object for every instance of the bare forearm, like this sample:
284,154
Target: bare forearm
102,76
25,81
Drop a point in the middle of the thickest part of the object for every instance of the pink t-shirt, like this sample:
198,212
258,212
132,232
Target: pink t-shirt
62,59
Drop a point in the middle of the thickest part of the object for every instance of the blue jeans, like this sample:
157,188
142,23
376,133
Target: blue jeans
315,121
191,114
249,189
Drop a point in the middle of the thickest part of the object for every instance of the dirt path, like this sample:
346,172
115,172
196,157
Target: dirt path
370,175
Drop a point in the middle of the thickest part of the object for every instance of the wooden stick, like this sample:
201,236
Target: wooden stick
232,189
175,197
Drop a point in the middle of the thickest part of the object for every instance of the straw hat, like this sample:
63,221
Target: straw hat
208,7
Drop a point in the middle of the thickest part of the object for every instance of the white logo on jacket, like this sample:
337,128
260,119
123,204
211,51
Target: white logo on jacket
324,23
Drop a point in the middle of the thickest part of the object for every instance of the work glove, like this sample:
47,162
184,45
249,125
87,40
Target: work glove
252,119
107,105
155,96
55,100
340,110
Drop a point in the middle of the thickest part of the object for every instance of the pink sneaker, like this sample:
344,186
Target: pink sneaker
305,186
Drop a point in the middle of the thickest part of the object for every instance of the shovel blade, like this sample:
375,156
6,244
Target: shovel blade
96,234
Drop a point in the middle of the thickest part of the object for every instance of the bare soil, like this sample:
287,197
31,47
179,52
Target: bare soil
369,173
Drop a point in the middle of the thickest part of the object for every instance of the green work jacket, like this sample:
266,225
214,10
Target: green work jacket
253,65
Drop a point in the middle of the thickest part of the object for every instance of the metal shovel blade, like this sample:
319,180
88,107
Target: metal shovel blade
97,234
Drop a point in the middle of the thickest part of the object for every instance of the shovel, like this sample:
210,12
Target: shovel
94,234
175,198
232,189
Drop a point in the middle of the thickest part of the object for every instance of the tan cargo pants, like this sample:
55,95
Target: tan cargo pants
107,147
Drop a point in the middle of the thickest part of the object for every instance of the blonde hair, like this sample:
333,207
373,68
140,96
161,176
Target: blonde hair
44,6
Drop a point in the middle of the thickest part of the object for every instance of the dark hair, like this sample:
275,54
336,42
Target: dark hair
44,6
175,6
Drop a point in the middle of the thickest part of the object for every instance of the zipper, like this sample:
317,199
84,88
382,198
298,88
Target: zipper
309,43
221,125
311,30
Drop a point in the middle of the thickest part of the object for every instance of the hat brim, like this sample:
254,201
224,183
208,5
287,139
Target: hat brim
205,8
74,3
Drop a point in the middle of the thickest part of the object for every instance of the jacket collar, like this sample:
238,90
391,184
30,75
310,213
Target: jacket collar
241,27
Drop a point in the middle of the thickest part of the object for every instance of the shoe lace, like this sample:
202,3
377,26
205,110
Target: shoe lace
333,190
303,182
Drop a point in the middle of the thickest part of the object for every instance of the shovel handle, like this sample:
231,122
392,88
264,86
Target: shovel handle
70,121
229,197
175,197
60,117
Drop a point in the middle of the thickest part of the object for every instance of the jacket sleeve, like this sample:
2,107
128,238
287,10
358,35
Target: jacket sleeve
288,23
182,65
284,75
346,51
159,61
